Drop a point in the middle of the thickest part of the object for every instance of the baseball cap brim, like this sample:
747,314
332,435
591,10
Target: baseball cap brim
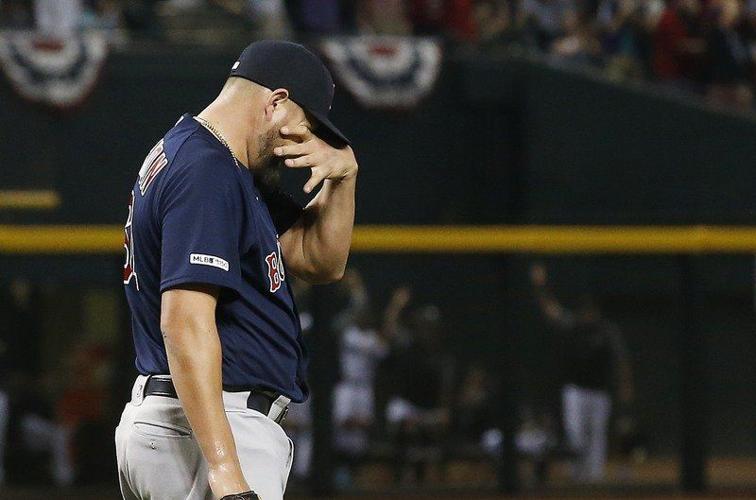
327,129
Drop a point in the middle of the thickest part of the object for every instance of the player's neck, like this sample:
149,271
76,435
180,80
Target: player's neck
231,130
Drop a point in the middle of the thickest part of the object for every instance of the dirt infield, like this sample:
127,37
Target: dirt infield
655,479
98,494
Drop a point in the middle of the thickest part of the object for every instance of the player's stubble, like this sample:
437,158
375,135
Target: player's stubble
267,160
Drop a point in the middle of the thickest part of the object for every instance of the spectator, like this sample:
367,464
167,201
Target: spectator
535,440
418,410
451,18
459,20
19,352
5,335
428,17
543,21
81,414
594,357
383,17
678,45
269,18
361,348
298,422
33,430
621,23
140,17
494,23
578,43
729,58
473,406
102,14
320,16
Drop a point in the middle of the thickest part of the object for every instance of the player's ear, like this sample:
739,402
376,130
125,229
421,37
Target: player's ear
275,99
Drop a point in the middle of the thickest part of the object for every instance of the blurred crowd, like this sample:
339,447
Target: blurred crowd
702,46
404,399
53,416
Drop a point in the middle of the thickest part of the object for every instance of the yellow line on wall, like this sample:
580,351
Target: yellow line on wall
61,239
555,239
29,199
106,239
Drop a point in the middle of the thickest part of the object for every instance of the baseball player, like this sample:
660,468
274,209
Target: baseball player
217,335
594,358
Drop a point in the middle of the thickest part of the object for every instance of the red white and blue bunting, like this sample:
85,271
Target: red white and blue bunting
60,74
385,71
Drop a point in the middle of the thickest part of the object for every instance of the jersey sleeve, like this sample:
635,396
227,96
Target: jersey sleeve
200,211
284,210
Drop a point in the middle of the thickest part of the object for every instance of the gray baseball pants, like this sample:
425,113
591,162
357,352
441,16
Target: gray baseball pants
159,458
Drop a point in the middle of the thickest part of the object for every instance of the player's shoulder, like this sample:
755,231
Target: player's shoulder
195,154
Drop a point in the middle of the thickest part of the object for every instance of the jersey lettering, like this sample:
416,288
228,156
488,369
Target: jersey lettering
153,164
276,273
128,245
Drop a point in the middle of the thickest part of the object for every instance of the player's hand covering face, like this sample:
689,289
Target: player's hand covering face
310,151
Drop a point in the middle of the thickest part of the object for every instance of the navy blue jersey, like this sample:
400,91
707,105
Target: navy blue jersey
197,217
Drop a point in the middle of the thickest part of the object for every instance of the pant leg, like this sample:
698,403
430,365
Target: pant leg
599,410
573,419
42,434
265,452
158,457
303,457
574,415
4,418
121,437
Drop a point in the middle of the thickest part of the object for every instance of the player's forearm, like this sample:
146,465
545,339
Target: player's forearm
194,358
327,236
554,312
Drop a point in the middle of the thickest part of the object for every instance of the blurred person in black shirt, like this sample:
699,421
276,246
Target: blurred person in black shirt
420,375
594,359
473,406
729,56
625,40
19,338
544,20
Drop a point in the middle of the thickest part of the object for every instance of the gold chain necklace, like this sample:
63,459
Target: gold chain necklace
218,136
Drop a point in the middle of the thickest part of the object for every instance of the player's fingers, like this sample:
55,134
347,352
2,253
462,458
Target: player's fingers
315,179
296,132
298,149
301,161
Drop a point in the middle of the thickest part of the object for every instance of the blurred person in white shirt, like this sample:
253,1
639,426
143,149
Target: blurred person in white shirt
362,347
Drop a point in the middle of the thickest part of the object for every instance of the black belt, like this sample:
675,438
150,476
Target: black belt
258,400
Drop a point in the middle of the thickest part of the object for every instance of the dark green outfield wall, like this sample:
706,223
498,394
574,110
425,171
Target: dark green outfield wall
499,141
502,140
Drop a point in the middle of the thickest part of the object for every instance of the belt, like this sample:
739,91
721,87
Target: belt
269,403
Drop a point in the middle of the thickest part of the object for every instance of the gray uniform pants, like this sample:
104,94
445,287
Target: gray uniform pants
586,426
159,459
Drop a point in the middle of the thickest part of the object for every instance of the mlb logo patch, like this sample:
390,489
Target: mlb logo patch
208,260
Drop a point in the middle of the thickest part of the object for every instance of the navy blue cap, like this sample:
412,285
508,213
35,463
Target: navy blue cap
277,64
